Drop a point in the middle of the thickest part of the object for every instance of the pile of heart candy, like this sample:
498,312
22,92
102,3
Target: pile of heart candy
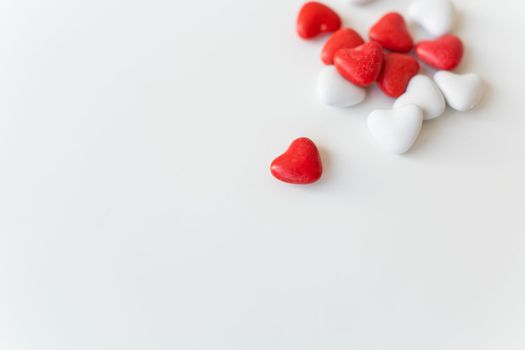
352,65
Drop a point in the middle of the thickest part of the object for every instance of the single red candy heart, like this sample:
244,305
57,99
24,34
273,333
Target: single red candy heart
300,164
360,65
397,71
443,53
345,38
316,18
392,33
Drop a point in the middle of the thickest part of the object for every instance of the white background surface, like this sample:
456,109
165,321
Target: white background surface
137,209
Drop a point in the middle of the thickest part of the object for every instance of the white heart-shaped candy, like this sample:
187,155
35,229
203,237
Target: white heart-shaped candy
435,16
462,91
424,93
396,130
334,90
359,2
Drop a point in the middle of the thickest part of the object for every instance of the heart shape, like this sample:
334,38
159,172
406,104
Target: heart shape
300,164
316,18
345,38
334,90
392,33
424,93
359,2
360,65
397,71
435,16
462,91
396,130
444,53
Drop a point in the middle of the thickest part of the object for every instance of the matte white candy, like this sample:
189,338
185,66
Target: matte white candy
435,16
359,2
396,130
462,91
423,92
334,90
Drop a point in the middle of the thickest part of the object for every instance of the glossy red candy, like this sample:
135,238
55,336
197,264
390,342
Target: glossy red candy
360,65
344,38
397,71
316,18
300,164
444,53
392,33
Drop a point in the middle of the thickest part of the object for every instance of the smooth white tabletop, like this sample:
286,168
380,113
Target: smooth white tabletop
138,211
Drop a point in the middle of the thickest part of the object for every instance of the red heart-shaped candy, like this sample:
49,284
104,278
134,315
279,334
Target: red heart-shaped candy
392,33
316,18
360,65
300,164
397,71
443,53
345,38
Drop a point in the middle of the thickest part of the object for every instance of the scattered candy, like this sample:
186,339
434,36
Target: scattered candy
462,91
397,71
345,38
435,16
444,53
353,65
392,33
300,164
396,130
424,93
316,18
360,65
334,90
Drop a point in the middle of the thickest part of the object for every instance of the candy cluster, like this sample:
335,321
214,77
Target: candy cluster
386,59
